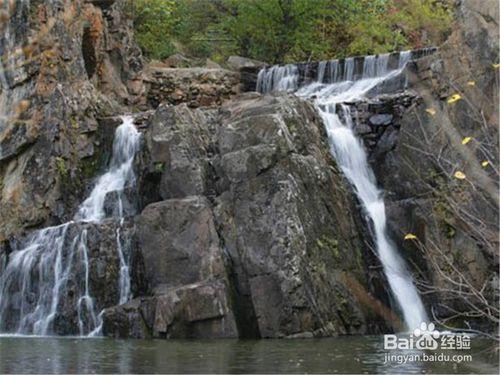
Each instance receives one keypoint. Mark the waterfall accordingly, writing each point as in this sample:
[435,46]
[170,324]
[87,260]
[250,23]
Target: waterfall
[404,57]
[334,70]
[381,64]
[349,69]
[278,78]
[119,173]
[351,157]
[37,276]
[369,67]
[321,71]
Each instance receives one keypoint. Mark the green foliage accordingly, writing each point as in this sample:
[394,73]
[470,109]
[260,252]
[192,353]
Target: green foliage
[424,22]
[159,167]
[153,22]
[288,30]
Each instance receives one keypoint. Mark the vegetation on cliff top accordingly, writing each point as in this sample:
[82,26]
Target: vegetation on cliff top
[287,30]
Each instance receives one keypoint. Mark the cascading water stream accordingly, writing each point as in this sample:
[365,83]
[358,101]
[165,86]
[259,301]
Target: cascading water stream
[351,156]
[36,275]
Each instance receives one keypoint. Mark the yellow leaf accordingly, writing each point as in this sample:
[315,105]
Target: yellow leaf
[496,66]
[466,140]
[454,98]
[485,163]
[410,236]
[471,83]
[459,175]
[431,111]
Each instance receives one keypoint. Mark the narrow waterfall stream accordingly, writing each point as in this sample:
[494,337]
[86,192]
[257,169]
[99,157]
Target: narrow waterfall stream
[37,275]
[350,154]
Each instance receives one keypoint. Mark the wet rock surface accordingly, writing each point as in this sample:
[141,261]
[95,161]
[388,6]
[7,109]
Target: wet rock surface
[377,121]
[455,219]
[249,200]
[89,260]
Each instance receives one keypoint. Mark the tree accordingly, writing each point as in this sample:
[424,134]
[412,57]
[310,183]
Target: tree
[153,22]
[280,31]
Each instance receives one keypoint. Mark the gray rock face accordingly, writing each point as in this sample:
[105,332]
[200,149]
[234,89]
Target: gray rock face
[281,222]
[179,243]
[257,224]
[185,272]
[178,140]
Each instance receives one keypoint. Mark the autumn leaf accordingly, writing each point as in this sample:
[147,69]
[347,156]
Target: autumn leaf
[466,140]
[410,236]
[454,98]
[460,175]
[485,163]
[471,83]
[431,111]
[496,66]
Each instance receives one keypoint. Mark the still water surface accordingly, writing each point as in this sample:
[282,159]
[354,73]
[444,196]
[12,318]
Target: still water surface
[333,355]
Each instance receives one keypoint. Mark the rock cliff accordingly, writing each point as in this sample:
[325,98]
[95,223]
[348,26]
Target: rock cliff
[455,219]
[71,63]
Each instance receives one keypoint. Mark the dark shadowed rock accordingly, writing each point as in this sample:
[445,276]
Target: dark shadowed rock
[179,243]
[120,203]
[382,119]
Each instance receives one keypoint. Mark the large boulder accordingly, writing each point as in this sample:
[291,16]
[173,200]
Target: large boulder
[288,220]
[179,143]
[179,243]
[198,310]
[238,63]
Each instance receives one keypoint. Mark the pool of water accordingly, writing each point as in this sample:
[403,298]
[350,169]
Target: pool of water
[361,354]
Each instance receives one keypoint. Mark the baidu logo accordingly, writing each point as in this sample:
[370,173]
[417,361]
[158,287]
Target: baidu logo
[424,337]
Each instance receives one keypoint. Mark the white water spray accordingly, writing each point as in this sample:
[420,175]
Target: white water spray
[36,276]
[351,156]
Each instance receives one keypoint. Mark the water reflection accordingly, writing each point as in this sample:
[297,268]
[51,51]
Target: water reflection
[335,355]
